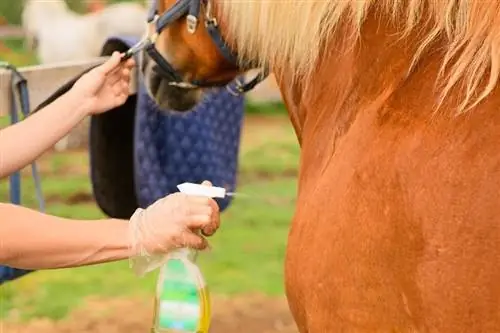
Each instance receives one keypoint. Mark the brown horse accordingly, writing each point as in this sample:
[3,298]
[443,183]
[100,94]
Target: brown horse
[397,109]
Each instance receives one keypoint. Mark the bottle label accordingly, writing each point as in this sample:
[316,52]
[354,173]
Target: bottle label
[179,301]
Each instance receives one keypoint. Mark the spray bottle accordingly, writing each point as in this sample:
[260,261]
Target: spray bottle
[182,303]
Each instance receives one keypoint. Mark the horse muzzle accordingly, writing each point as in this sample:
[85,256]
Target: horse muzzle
[168,96]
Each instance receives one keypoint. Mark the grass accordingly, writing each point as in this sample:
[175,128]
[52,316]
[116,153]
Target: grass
[247,254]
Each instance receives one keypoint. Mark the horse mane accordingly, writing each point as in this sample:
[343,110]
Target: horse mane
[291,34]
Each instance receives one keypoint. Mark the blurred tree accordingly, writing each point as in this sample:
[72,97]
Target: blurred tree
[11,10]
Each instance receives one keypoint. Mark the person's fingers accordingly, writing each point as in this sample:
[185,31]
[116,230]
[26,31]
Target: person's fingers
[125,73]
[125,87]
[208,231]
[199,210]
[110,64]
[215,215]
[117,90]
[121,98]
[112,80]
[208,221]
[193,241]
[198,221]
[213,205]
[215,220]
[130,63]
[196,200]
[118,76]
[201,207]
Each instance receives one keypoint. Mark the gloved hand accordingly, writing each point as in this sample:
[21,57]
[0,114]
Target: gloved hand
[170,223]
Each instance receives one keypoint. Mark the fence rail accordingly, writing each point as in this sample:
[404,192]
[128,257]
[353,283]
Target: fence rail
[11,31]
[43,80]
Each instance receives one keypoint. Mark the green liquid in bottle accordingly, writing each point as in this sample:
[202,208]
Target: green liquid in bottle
[182,303]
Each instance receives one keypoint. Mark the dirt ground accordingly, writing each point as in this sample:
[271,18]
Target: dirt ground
[248,314]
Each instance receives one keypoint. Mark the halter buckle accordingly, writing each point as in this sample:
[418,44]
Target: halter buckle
[209,18]
[239,88]
[211,21]
[184,85]
[192,23]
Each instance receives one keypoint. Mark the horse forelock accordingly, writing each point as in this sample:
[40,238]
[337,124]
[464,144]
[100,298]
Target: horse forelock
[290,34]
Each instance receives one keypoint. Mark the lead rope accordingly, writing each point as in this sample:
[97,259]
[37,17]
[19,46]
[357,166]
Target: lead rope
[19,83]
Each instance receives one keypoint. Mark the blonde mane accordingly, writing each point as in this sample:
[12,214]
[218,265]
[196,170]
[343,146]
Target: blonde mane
[288,33]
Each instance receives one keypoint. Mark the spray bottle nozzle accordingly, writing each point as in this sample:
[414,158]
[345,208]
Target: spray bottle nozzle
[202,190]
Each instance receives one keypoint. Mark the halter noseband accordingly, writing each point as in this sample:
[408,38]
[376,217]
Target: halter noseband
[191,9]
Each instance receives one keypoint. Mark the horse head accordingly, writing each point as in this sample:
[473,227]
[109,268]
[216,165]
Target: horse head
[187,54]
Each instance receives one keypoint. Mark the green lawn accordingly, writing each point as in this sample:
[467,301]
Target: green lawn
[248,250]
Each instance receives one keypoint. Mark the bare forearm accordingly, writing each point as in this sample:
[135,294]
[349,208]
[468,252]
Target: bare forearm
[27,140]
[32,240]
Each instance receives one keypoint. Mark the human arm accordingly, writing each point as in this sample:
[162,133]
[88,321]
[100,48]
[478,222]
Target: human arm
[101,89]
[33,240]
[25,141]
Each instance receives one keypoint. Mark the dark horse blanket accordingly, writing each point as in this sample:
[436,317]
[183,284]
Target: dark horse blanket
[139,154]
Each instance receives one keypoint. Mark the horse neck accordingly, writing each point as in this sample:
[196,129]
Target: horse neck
[350,79]
[360,80]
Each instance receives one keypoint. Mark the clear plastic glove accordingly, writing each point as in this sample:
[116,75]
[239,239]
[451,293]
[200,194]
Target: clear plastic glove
[171,223]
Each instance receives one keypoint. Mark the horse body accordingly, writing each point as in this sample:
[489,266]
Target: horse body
[396,227]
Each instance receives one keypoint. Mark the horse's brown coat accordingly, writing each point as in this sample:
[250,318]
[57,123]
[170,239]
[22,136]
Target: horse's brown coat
[397,222]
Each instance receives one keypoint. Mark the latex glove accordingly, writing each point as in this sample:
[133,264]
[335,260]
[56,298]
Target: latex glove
[104,87]
[171,223]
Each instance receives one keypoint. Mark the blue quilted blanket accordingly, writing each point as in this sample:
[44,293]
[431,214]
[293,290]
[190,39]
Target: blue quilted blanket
[175,148]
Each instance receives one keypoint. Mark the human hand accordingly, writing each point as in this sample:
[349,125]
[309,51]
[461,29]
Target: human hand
[104,87]
[173,222]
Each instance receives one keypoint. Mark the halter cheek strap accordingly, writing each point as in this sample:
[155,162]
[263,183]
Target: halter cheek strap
[214,32]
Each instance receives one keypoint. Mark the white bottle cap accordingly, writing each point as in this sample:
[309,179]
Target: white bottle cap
[202,190]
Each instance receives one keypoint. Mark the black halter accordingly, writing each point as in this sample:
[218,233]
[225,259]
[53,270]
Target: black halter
[191,9]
